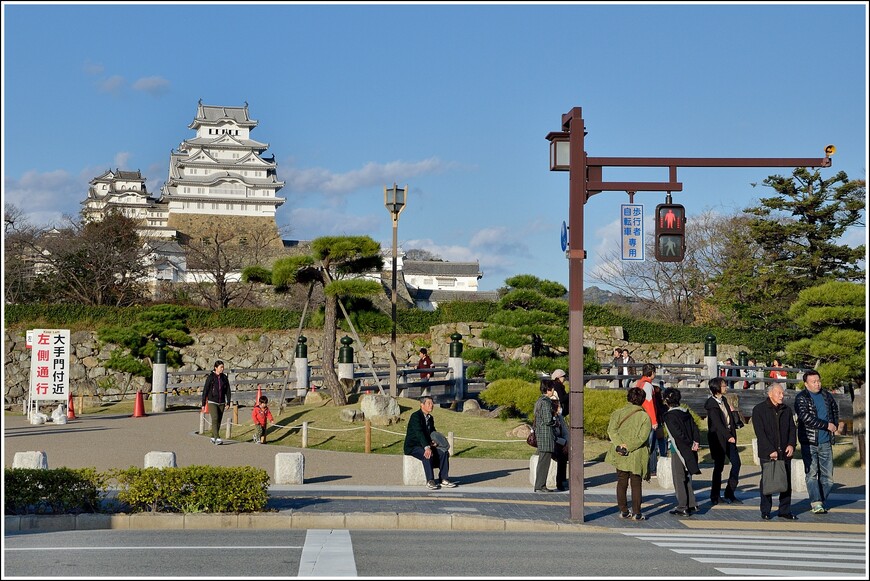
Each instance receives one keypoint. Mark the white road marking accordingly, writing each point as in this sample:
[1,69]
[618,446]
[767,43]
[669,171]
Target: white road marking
[327,553]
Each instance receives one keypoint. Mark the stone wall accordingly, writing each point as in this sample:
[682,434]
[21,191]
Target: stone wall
[245,349]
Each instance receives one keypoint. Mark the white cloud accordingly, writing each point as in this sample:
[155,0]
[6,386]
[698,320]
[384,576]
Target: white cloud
[93,68]
[309,223]
[322,181]
[45,197]
[122,158]
[154,86]
[113,85]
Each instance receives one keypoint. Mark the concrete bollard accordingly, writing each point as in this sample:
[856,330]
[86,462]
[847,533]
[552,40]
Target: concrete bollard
[36,460]
[551,473]
[412,471]
[155,459]
[798,476]
[289,468]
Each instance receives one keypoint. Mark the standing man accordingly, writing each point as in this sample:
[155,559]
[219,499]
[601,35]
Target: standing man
[216,394]
[425,362]
[420,445]
[559,377]
[722,436]
[818,421]
[775,430]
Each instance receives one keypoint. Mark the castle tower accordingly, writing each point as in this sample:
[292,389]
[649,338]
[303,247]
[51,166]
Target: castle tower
[219,180]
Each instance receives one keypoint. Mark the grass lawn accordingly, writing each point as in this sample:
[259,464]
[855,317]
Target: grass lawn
[474,436]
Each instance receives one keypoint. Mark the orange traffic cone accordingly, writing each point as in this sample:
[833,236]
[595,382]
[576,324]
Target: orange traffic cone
[139,408]
[70,409]
[259,394]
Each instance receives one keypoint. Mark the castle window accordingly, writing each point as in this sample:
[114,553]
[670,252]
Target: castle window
[200,206]
[206,241]
[214,206]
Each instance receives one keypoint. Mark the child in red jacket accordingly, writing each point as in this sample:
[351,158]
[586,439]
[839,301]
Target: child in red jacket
[261,416]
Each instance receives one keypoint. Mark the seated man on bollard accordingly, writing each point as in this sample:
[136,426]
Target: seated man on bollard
[420,444]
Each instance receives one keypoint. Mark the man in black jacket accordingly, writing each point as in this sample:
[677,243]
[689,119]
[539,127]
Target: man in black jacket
[775,430]
[722,437]
[818,423]
[419,444]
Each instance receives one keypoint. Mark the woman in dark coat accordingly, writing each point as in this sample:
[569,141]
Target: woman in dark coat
[685,439]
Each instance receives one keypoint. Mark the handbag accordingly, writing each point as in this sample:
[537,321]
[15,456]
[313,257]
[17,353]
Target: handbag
[773,477]
[532,440]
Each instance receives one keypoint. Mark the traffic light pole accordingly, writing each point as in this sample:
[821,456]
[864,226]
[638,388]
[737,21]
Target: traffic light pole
[585,180]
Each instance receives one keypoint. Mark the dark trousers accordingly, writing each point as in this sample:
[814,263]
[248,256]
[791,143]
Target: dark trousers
[719,466]
[784,497]
[623,479]
[561,459]
[439,459]
[216,411]
[544,459]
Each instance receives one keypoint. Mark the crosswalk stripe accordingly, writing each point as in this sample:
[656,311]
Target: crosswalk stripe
[753,572]
[770,562]
[769,555]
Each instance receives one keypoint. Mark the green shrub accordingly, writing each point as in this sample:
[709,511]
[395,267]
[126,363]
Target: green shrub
[598,406]
[515,395]
[466,311]
[480,354]
[194,489]
[511,369]
[55,491]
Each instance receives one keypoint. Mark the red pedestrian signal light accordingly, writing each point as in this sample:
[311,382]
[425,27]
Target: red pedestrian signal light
[670,235]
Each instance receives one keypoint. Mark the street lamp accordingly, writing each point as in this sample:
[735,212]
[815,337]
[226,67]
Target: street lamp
[395,199]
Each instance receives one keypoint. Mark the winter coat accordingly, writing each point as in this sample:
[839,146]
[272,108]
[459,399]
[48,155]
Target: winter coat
[718,429]
[260,416]
[544,423]
[633,433]
[683,432]
[217,389]
[774,429]
[809,423]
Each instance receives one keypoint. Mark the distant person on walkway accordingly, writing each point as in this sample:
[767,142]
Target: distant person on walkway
[420,445]
[818,422]
[628,363]
[722,437]
[751,375]
[731,373]
[685,441]
[628,430]
[560,450]
[652,408]
[262,415]
[616,364]
[559,377]
[776,373]
[777,436]
[545,422]
[425,362]
[216,394]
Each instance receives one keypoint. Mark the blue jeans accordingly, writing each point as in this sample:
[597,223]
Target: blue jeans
[819,470]
[657,447]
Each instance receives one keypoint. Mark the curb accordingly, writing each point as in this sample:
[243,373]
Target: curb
[300,520]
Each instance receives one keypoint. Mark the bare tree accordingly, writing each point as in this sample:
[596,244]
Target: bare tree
[220,256]
[91,262]
[673,291]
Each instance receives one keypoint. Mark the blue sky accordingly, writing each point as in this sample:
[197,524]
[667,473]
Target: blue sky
[454,100]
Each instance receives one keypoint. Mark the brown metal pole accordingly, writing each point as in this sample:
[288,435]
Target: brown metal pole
[573,123]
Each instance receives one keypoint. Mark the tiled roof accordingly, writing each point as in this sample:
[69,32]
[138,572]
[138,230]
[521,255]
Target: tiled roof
[452,295]
[438,268]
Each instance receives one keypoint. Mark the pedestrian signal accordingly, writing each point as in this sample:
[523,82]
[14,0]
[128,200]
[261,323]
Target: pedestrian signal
[670,233]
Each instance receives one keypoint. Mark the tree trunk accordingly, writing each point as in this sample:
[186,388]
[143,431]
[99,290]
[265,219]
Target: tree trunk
[330,377]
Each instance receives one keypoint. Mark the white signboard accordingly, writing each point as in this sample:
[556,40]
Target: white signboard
[49,365]
[631,223]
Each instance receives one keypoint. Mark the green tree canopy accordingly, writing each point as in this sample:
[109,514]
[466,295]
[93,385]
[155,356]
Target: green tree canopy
[833,317]
[336,263]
